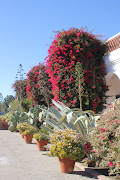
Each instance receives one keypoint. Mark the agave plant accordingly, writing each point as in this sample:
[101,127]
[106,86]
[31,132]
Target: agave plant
[60,116]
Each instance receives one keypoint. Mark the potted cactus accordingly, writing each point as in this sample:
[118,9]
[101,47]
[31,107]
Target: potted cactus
[22,127]
[41,138]
[67,145]
[28,133]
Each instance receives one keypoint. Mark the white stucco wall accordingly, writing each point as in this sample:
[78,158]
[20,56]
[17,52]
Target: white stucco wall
[112,62]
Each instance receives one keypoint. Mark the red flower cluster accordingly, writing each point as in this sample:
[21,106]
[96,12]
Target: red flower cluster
[32,89]
[68,48]
[88,147]
[20,87]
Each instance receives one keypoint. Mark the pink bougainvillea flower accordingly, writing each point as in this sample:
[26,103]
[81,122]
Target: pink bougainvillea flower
[111,164]
[103,129]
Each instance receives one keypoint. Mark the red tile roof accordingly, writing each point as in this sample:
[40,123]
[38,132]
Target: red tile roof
[113,43]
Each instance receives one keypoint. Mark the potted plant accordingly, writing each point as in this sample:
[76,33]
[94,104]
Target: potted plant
[41,140]
[28,133]
[67,145]
[22,127]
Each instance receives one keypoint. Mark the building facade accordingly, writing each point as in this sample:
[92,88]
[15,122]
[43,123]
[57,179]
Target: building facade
[112,62]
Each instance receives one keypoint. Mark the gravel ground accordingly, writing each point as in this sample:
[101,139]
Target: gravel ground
[20,161]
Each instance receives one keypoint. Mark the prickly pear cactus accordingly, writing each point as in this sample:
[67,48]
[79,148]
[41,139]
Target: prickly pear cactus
[19,117]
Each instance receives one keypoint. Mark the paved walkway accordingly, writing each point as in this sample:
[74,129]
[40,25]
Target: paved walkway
[20,161]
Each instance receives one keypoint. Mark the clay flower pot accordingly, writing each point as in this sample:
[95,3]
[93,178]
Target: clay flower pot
[21,132]
[41,143]
[66,165]
[28,138]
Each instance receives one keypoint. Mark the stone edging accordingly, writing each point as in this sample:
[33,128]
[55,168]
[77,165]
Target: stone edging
[92,172]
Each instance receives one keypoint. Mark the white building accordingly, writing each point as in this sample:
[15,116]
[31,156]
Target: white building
[112,62]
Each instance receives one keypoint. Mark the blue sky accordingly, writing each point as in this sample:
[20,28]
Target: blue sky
[27,29]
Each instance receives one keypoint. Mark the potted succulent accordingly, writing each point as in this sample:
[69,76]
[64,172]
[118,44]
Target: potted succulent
[28,133]
[67,145]
[41,140]
[22,127]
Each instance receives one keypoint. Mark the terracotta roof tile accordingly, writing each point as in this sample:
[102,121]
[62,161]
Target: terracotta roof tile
[113,43]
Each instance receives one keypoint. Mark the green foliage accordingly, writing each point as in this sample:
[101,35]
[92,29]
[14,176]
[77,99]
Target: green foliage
[41,135]
[67,143]
[7,101]
[36,115]
[18,117]
[105,139]
[60,117]
[12,128]
[26,104]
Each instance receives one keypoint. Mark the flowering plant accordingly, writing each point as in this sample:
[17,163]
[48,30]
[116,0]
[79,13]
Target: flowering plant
[67,143]
[38,136]
[68,48]
[20,88]
[105,139]
[30,130]
[38,86]
[43,134]
[22,126]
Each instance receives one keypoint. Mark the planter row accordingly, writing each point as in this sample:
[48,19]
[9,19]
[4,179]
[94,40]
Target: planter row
[66,164]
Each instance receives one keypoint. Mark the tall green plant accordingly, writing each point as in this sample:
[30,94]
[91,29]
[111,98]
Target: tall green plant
[44,84]
[79,81]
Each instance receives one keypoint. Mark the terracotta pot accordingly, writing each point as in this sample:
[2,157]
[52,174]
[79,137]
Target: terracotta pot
[4,125]
[0,124]
[21,132]
[41,143]
[28,138]
[66,165]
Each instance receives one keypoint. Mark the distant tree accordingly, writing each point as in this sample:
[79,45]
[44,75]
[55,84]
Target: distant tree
[1,102]
[7,101]
[20,84]
[1,98]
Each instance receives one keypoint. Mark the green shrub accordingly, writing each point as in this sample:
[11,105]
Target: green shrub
[22,126]
[30,130]
[38,136]
[67,143]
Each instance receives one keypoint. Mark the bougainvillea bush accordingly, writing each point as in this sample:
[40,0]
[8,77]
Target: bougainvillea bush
[44,85]
[20,87]
[105,139]
[68,48]
[34,89]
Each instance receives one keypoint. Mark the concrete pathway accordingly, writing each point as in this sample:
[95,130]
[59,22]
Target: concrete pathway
[20,161]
